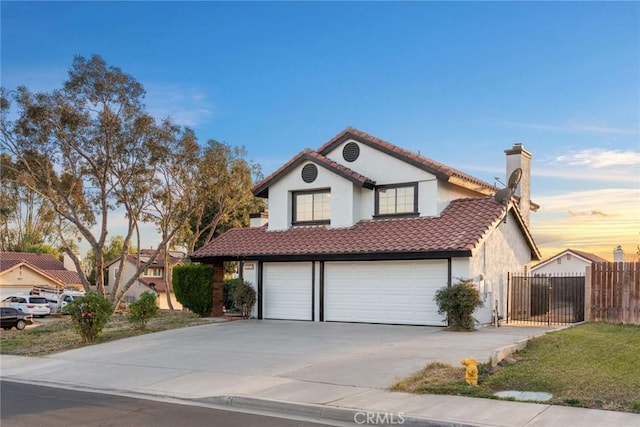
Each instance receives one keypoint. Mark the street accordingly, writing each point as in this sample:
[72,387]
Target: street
[30,405]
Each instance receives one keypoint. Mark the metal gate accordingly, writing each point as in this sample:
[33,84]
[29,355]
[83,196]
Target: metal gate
[545,299]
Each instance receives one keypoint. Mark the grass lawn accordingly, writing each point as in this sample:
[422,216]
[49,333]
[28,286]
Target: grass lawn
[58,335]
[594,365]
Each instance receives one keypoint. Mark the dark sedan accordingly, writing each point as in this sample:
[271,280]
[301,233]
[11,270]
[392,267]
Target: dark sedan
[11,317]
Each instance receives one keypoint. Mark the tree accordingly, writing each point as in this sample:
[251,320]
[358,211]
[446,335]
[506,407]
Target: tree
[225,178]
[112,250]
[26,219]
[90,151]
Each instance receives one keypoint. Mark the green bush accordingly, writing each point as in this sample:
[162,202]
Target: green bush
[144,309]
[229,286]
[458,302]
[193,287]
[244,296]
[89,314]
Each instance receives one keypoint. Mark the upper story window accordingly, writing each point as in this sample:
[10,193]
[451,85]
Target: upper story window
[312,207]
[401,199]
[153,272]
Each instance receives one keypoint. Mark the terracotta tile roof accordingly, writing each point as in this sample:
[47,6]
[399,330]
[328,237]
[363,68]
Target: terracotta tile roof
[261,188]
[461,227]
[65,276]
[438,169]
[42,261]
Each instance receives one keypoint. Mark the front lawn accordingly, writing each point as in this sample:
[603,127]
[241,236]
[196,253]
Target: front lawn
[59,335]
[594,365]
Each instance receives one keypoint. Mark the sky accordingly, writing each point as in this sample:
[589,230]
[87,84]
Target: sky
[458,82]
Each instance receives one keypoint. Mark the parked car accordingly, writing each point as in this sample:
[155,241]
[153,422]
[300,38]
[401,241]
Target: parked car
[12,317]
[29,304]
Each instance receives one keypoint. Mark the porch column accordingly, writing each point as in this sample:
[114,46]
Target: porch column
[218,289]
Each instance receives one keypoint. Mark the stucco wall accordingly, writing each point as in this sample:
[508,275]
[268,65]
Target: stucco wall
[342,197]
[448,192]
[350,203]
[568,264]
[25,277]
[503,251]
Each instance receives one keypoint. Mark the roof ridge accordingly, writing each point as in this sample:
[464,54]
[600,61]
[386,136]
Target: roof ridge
[439,167]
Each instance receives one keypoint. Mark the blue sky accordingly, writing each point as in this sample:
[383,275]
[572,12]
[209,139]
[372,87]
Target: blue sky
[457,81]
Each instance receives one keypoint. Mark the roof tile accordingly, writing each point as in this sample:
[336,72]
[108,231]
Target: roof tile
[461,226]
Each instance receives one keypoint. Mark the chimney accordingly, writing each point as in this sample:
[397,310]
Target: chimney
[618,254]
[68,262]
[518,157]
[258,219]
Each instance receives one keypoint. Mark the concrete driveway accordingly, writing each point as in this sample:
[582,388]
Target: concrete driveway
[289,361]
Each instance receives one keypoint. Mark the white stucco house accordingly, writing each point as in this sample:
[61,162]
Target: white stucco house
[361,230]
[152,279]
[569,261]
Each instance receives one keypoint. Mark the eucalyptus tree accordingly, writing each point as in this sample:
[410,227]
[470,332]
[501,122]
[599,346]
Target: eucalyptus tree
[26,219]
[226,178]
[90,150]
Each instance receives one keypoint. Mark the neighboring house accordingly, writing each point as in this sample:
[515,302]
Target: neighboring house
[364,231]
[21,271]
[569,261]
[150,280]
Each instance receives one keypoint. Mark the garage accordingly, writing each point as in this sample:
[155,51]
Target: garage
[287,290]
[395,292]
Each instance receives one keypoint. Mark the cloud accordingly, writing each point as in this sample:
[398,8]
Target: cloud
[592,213]
[590,220]
[600,158]
[570,128]
[187,106]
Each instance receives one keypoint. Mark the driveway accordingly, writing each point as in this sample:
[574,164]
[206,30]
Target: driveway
[284,360]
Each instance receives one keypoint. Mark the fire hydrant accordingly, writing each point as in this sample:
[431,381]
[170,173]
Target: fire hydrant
[471,375]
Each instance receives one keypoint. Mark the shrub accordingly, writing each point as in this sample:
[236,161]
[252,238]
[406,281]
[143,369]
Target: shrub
[229,286]
[458,302]
[244,296]
[143,310]
[193,287]
[89,314]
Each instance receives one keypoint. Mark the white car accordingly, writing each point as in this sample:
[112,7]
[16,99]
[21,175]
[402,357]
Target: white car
[29,304]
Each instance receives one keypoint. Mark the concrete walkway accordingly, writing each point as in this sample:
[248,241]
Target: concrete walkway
[334,371]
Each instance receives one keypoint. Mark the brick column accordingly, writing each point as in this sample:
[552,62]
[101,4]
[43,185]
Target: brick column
[218,290]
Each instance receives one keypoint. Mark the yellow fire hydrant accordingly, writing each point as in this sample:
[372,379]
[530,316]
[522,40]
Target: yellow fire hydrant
[471,375]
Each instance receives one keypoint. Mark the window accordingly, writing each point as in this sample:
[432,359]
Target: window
[397,199]
[153,272]
[312,207]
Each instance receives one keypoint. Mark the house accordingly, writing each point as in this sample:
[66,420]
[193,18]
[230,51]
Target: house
[362,230]
[21,271]
[152,279]
[569,261]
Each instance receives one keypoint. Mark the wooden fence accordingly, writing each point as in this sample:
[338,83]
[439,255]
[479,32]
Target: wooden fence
[614,294]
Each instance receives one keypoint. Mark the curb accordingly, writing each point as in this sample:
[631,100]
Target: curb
[269,407]
[324,412]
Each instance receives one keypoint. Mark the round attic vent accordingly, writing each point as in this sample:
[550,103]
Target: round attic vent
[350,152]
[309,173]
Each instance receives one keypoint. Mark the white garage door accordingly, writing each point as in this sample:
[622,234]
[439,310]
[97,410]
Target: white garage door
[397,292]
[286,290]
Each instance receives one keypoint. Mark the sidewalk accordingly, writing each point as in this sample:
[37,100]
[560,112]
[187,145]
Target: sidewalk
[279,368]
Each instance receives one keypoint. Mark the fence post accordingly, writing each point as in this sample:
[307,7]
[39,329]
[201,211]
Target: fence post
[506,315]
[587,295]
